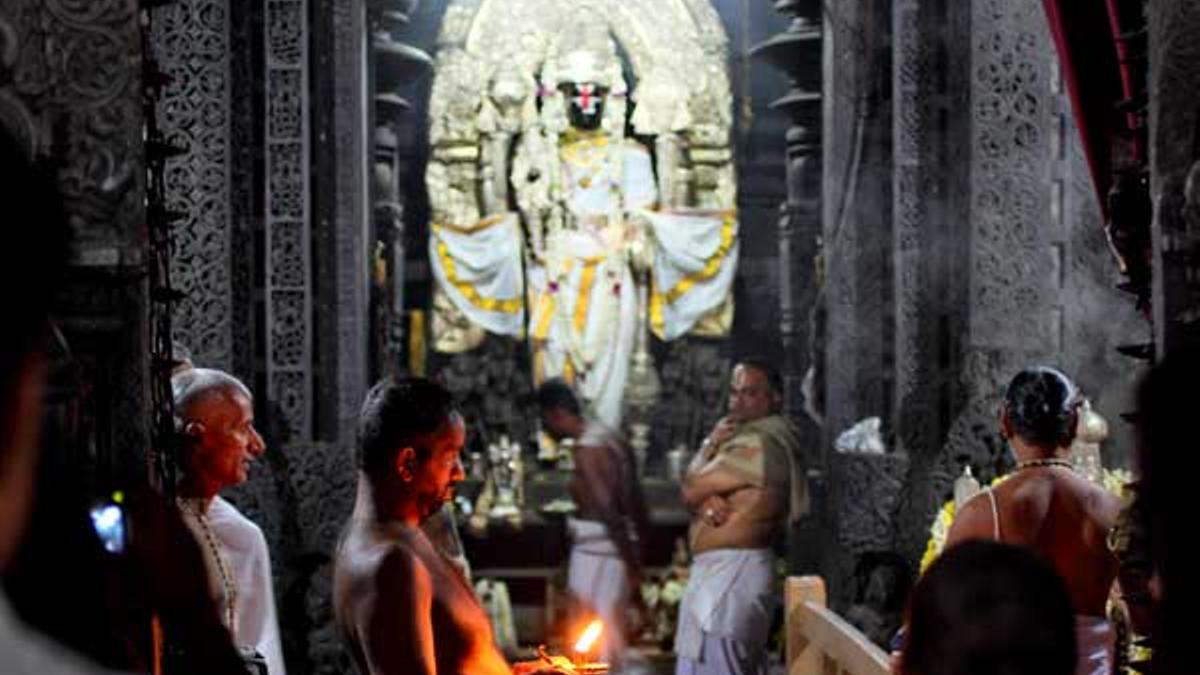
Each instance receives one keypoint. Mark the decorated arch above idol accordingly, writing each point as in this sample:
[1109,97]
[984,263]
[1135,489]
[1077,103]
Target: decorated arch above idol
[581,186]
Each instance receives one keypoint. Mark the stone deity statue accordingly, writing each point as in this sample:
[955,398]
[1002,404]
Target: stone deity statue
[583,243]
[503,492]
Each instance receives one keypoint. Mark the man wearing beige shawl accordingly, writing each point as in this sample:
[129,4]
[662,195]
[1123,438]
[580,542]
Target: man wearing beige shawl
[745,483]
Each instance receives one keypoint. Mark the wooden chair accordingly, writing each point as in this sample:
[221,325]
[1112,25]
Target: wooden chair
[819,642]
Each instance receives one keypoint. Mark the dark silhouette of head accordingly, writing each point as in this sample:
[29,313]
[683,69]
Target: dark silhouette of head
[985,608]
[32,264]
[1166,414]
[1040,405]
[562,414]
[61,581]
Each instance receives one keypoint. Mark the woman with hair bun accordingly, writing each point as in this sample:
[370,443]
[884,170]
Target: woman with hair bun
[1048,508]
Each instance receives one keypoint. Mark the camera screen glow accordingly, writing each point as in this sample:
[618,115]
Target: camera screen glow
[109,525]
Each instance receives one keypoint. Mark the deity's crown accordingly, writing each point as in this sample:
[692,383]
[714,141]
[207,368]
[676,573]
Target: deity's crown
[584,52]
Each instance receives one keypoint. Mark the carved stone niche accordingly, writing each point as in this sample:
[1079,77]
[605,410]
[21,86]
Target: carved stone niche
[881,582]
[867,494]
[870,487]
[694,373]
[98,407]
[494,390]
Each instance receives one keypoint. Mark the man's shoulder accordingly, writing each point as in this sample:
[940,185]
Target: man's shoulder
[976,505]
[223,509]
[1102,506]
[382,562]
[975,518]
[230,521]
[399,558]
[775,422]
[774,429]
[391,551]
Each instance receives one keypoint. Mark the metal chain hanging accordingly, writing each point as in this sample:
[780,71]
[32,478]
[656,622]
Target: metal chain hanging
[159,219]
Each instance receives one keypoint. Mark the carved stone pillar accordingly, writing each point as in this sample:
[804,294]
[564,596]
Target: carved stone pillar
[1175,172]
[798,52]
[857,194]
[287,217]
[191,41]
[920,332]
[396,65]
[999,257]
[341,221]
[962,244]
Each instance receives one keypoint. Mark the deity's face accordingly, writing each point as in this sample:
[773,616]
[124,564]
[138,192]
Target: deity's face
[585,104]
[438,468]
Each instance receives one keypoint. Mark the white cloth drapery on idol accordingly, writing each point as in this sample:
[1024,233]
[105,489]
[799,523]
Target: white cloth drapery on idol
[580,291]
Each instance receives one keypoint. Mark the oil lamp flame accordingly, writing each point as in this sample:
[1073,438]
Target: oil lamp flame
[589,637]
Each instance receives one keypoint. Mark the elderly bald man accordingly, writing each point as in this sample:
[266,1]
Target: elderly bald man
[215,416]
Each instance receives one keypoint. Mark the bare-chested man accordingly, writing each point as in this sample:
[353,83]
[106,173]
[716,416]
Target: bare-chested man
[610,522]
[1049,508]
[743,485]
[402,607]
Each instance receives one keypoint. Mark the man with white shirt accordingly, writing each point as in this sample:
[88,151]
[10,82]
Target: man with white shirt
[215,414]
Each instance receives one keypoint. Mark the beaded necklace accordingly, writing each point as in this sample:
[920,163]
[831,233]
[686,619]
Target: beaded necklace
[227,581]
[1046,461]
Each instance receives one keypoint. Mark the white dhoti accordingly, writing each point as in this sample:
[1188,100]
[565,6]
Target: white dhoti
[725,614]
[596,575]
[1094,640]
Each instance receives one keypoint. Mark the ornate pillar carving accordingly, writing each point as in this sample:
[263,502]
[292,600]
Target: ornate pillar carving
[287,216]
[857,299]
[927,242]
[999,256]
[191,41]
[994,255]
